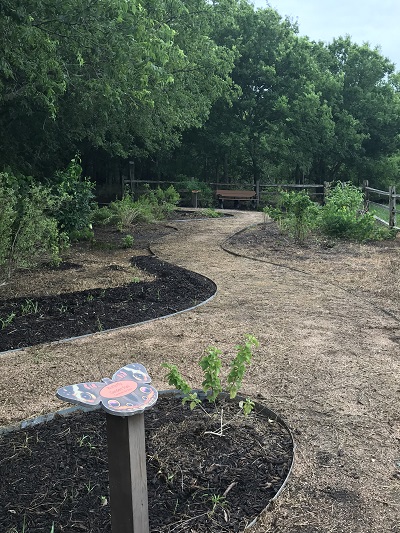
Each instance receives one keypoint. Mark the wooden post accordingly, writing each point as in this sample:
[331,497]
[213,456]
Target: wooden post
[195,198]
[392,206]
[366,195]
[127,474]
[326,191]
[257,193]
[124,398]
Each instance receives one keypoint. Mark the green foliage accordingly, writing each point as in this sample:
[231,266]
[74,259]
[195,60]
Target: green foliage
[247,405]
[301,213]
[175,379]
[342,215]
[75,199]
[85,234]
[238,365]
[211,364]
[211,213]
[117,75]
[6,321]
[206,196]
[126,212]
[29,231]
[152,205]
[162,201]
[29,307]
[127,241]
[296,214]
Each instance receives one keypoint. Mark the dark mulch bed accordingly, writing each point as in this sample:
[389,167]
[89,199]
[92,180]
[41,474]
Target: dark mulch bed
[56,472]
[66,315]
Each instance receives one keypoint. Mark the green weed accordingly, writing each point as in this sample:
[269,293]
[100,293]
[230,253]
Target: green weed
[7,320]
[29,307]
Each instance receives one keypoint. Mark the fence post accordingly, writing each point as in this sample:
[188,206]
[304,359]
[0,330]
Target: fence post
[392,206]
[327,186]
[258,193]
[366,195]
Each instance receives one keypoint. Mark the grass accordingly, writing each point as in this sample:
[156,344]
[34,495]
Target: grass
[380,212]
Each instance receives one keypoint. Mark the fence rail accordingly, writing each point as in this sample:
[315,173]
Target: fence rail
[320,190]
[391,207]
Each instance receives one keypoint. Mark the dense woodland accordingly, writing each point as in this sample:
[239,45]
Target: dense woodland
[215,90]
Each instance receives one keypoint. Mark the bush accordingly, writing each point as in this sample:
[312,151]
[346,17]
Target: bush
[75,199]
[152,205]
[296,214]
[28,231]
[162,201]
[127,241]
[342,215]
[206,196]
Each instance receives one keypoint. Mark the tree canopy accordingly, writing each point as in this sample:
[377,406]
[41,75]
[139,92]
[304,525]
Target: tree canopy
[217,90]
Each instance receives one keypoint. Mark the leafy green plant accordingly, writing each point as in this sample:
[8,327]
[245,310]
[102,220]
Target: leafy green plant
[297,214]
[85,234]
[247,405]
[342,215]
[127,241]
[211,365]
[29,307]
[75,200]
[217,500]
[209,212]
[85,441]
[206,195]
[7,320]
[28,233]
[152,205]
[239,364]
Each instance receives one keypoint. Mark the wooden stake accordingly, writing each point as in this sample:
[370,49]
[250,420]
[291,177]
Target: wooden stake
[127,474]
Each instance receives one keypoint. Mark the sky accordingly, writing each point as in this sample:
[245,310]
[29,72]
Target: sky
[374,21]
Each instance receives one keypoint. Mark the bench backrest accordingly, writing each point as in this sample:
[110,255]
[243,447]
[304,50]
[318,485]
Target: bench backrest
[235,194]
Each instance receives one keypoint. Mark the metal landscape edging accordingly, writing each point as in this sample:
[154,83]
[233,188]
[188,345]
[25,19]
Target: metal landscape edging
[69,339]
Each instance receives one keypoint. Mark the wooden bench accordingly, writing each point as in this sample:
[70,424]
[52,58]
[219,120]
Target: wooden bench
[235,196]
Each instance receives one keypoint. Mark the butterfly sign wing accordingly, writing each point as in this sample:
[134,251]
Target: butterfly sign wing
[128,392]
[86,394]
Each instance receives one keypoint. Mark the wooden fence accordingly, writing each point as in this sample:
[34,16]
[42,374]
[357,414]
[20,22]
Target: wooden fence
[391,204]
[319,191]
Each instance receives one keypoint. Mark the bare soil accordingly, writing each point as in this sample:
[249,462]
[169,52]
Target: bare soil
[327,319]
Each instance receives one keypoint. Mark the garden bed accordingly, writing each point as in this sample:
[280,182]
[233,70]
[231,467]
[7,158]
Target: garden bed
[196,481]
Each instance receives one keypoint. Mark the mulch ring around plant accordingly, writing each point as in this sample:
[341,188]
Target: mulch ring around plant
[51,318]
[56,472]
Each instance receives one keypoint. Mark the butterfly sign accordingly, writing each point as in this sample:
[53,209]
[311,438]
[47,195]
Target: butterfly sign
[128,392]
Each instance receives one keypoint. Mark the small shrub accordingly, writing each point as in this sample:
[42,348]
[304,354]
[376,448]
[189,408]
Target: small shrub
[211,213]
[29,233]
[297,213]
[206,195]
[75,198]
[211,365]
[127,241]
[85,234]
[152,205]
[101,215]
[342,215]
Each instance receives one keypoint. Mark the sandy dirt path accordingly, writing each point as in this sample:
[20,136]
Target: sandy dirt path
[327,363]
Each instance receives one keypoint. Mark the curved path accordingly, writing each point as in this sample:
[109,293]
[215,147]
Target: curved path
[327,363]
